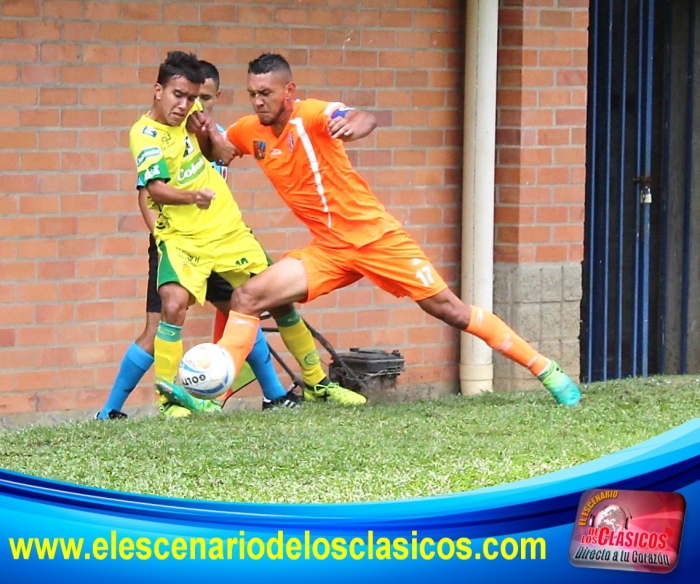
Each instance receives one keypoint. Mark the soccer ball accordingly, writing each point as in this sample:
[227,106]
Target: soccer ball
[207,371]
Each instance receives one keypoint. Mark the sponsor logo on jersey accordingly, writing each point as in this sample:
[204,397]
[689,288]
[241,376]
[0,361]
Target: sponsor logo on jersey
[275,152]
[152,172]
[151,152]
[259,148]
[148,131]
[190,170]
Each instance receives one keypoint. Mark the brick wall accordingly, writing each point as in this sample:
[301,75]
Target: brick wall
[540,176]
[76,74]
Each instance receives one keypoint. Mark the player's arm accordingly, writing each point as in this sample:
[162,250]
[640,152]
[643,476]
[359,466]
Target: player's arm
[163,194]
[349,125]
[149,215]
[214,146]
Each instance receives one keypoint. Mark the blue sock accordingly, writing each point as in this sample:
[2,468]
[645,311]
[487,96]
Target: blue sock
[134,365]
[260,362]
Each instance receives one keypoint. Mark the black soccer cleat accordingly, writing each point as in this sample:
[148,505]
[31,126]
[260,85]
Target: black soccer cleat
[288,400]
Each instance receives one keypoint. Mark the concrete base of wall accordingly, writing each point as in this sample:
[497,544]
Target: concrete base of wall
[542,303]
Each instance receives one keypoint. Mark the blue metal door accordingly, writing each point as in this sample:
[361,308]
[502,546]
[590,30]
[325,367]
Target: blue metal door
[640,308]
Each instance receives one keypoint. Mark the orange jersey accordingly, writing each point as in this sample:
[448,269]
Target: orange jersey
[313,175]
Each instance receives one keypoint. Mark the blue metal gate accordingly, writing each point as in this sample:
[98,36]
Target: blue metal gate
[641,304]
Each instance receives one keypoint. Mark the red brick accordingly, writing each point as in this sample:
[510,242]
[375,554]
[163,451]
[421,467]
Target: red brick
[67,53]
[141,10]
[47,30]
[21,8]
[36,335]
[551,253]
[44,292]
[58,96]
[20,314]
[19,52]
[9,73]
[10,161]
[80,74]
[62,9]
[102,10]
[9,29]
[556,18]
[19,226]
[13,403]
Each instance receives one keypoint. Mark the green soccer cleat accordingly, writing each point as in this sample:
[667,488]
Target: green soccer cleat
[330,390]
[560,385]
[181,397]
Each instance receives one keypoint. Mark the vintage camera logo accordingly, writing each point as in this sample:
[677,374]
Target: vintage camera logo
[628,530]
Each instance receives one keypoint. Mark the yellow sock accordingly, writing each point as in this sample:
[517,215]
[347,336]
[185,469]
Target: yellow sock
[167,353]
[500,337]
[239,336]
[297,338]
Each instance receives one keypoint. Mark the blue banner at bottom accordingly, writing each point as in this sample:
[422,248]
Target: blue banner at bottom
[524,531]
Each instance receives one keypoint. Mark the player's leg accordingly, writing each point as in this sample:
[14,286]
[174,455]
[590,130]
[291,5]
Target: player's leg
[219,293]
[398,265]
[298,339]
[180,278]
[241,257]
[137,360]
[139,356]
[300,275]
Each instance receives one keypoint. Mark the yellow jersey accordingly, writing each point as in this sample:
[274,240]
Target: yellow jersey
[172,154]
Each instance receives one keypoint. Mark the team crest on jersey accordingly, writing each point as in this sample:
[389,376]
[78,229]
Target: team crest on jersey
[259,148]
[290,142]
[148,131]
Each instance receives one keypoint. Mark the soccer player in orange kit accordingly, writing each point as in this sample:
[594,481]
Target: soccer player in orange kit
[299,146]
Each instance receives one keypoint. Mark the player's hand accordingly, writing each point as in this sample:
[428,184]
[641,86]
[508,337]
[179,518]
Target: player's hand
[196,122]
[223,150]
[204,198]
[341,128]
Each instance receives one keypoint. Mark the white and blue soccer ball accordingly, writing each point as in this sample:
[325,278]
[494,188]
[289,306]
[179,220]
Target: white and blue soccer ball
[207,371]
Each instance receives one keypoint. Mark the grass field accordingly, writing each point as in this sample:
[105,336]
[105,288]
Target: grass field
[324,453]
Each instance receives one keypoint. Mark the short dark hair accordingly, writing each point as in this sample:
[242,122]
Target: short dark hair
[180,64]
[210,72]
[269,63]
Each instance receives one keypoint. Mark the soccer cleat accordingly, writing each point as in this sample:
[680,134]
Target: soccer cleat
[288,400]
[560,385]
[180,397]
[330,390]
[112,415]
[171,410]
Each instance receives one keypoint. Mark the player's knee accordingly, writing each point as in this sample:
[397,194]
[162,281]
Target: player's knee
[245,301]
[174,310]
[447,307]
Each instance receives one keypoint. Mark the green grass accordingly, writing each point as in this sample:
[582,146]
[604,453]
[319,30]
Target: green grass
[324,453]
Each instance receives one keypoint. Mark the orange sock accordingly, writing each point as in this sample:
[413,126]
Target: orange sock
[499,336]
[220,321]
[239,336]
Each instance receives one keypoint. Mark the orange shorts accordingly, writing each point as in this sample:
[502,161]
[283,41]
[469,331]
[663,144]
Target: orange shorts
[395,263]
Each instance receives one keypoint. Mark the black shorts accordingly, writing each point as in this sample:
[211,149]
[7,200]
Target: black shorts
[218,289]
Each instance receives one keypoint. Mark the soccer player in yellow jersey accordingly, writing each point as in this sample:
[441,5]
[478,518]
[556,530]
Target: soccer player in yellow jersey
[138,358]
[199,227]
[299,146]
